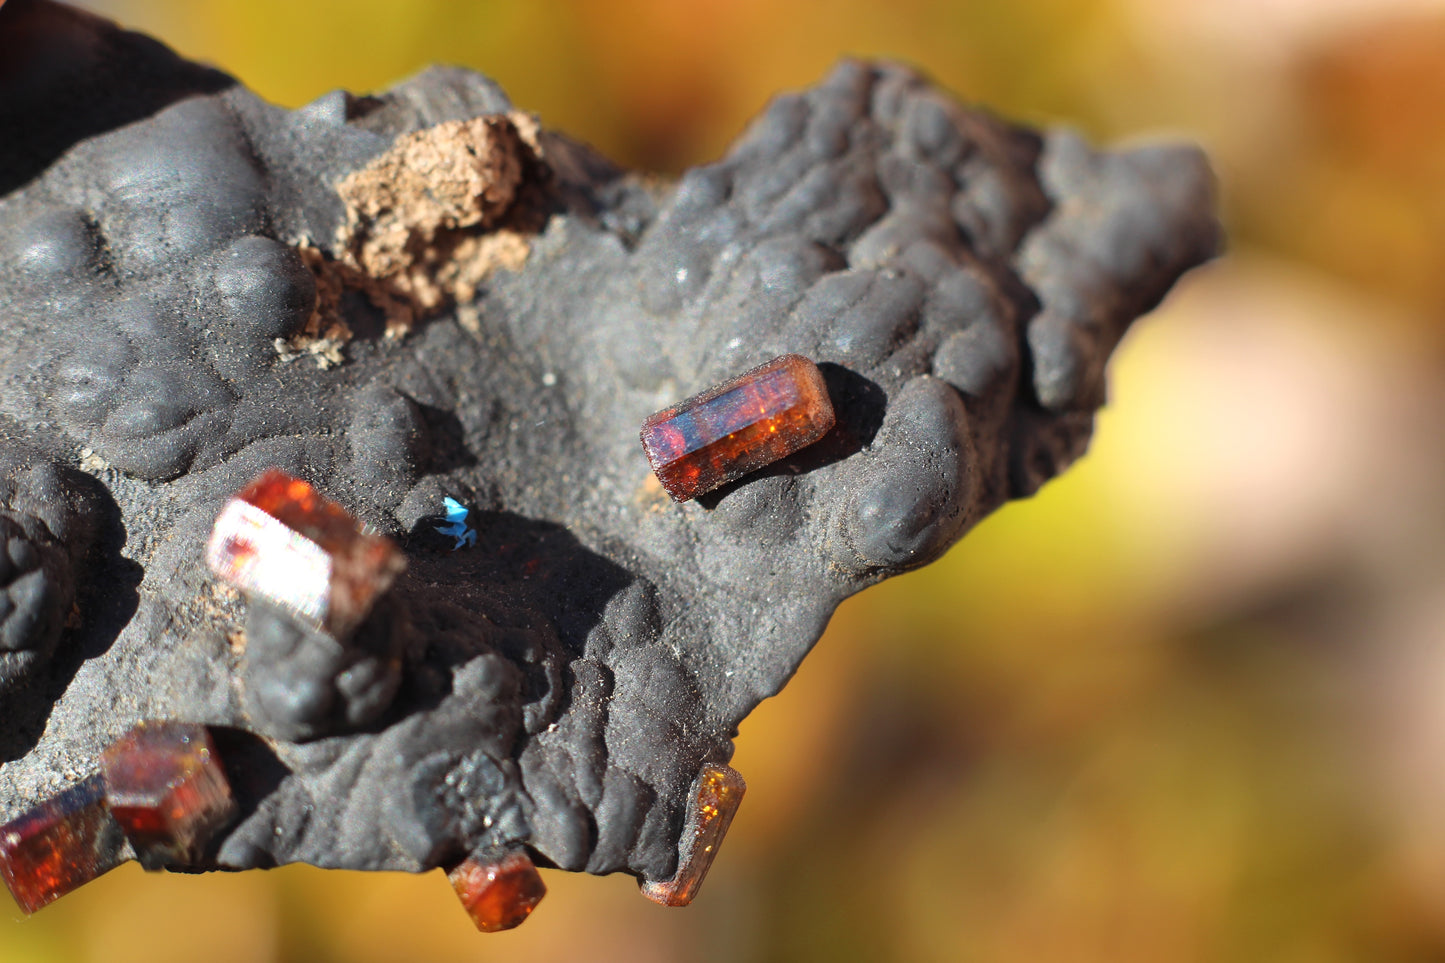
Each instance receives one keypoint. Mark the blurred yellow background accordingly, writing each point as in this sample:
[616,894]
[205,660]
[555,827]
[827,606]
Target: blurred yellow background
[1188,703]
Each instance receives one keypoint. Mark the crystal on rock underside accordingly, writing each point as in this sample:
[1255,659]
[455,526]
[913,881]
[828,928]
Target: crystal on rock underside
[737,427]
[715,798]
[166,788]
[281,540]
[498,893]
[61,844]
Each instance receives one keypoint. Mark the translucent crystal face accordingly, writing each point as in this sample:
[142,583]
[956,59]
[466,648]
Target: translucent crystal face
[498,894]
[252,550]
[167,790]
[280,540]
[738,427]
[716,796]
[60,845]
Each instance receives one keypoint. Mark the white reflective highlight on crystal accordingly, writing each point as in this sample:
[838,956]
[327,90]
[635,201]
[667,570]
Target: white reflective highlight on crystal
[257,554]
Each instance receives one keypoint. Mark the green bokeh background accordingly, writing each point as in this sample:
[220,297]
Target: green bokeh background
[1188,703]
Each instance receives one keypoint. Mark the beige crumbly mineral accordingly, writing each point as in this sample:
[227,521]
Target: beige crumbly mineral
[428,220]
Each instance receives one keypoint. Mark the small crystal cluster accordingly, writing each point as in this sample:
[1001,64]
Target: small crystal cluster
[161,797]
[737,427]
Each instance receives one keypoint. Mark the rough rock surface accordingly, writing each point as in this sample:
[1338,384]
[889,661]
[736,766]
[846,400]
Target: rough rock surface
[168,242]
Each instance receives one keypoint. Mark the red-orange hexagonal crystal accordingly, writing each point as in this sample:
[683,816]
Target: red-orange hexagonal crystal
[498,894]
[279,539]
[715,799]
[167,790]
[59,845]
[738,427]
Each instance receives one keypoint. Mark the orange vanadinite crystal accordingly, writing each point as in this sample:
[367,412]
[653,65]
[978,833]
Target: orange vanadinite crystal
[280,539]
[59,845]
[167,790]
[738,427]
[498,894]
[715,800]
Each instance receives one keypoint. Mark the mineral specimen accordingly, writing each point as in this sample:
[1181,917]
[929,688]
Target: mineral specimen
[170,244]
[166,788]
[456,526]
[714,802]
[498,894]
[279,539]
[63,843]
[737,427]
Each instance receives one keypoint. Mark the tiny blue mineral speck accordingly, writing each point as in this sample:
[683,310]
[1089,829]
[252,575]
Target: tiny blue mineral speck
[456,526]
